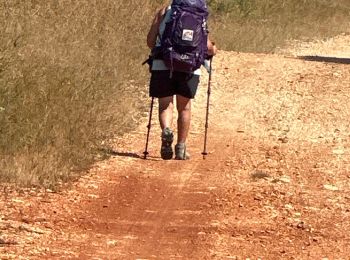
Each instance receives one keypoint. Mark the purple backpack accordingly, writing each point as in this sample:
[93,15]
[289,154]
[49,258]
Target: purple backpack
[184,41]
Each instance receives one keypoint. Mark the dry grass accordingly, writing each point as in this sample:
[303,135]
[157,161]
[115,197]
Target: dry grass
[70,73]
[264,25]
[65,76]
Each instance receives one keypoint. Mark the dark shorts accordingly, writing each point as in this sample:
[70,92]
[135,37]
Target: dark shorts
[180,83]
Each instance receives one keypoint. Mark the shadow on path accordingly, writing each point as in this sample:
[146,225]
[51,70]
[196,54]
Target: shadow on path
[111,152]
[326,59]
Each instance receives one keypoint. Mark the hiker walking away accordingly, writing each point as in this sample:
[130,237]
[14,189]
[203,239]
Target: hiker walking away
[179,41]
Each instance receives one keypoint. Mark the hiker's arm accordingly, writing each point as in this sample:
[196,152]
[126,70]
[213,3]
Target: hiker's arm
[211,48]
[154,30]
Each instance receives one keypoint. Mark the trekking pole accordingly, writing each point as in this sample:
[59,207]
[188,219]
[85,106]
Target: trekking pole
[149,129]
[205,153]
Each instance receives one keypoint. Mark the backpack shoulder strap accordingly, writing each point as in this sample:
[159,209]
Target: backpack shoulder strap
[168,9]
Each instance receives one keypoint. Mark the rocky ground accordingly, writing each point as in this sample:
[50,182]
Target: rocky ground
[275,184]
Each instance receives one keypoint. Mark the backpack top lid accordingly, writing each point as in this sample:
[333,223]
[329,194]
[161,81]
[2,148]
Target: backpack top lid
[197,4]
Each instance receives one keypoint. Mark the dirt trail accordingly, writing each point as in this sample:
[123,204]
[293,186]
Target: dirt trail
[274,186]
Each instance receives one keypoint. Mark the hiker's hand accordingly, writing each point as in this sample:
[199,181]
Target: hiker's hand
[211,48]
[209,57]
[215,50]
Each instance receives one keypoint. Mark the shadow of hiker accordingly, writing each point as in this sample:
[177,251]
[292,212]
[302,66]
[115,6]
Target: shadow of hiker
[325,59]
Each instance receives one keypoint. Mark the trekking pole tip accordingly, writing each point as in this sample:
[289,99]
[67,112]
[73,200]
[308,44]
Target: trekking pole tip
[204,155]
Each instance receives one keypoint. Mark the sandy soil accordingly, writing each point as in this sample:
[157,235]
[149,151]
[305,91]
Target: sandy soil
[275,185]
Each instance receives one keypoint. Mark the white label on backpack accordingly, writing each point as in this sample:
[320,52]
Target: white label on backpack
[187,35]
[184,57]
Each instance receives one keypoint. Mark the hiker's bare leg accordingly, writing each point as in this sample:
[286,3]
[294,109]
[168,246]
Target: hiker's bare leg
[183,105]
[166,108]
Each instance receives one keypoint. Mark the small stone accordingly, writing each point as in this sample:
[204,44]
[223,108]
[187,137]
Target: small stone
[330,187]
[171,230]
[93,196]
[4,242]
[258,198]
[301,225]
[25,220]
[284,139]
[289,206]
[338,151]
[260,174]
[285,179]
[316,239]
[215,223]
[112,242]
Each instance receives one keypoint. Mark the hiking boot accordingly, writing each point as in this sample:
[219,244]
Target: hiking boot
[180,152]
[166,151]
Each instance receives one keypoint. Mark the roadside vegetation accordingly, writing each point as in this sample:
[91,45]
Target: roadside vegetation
[71,75]
[264,25]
